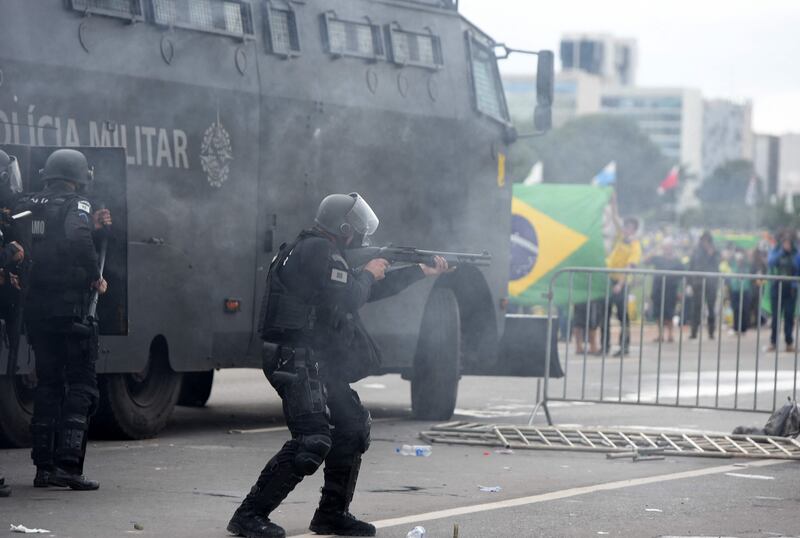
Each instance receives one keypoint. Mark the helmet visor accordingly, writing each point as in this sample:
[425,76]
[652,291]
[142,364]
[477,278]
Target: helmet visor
[361,217]
[14,176]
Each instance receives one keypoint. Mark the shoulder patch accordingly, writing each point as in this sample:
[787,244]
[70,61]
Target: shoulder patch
[83,205]
[339,276]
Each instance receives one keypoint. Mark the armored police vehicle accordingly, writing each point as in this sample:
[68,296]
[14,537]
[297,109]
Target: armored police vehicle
[215,127]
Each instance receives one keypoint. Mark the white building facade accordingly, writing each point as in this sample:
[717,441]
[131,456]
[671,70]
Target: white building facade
[766,162]
[789,165]
[727,133]
[671,117]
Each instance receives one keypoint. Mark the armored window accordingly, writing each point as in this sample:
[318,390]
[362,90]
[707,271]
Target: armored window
[361,39]
[226,17]
[126,9]
[415,48]
[487,88]
[280,26]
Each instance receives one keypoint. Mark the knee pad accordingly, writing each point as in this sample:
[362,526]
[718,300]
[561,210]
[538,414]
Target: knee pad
[311,452]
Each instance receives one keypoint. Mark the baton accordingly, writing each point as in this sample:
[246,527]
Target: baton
[22,215]
[96,294]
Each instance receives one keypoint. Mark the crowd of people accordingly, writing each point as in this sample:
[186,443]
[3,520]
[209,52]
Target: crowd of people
[691,299]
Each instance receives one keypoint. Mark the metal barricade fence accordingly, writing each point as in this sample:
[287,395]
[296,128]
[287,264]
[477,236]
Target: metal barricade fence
[704,369]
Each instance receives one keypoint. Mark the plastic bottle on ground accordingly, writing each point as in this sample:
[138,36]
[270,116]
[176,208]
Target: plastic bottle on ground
[416,532]
[414,450]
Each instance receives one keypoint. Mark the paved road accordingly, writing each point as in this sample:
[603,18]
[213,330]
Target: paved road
[187,482]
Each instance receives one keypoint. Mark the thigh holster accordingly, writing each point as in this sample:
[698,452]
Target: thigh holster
[296,378]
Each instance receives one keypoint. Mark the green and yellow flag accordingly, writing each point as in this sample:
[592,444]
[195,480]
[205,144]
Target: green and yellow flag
[555,226]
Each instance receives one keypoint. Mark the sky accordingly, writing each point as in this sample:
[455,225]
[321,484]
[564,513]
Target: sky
[732,49]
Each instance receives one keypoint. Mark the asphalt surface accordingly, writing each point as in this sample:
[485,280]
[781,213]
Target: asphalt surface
[188,481]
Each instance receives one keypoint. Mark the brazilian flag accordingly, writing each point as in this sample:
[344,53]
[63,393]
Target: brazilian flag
[555,226]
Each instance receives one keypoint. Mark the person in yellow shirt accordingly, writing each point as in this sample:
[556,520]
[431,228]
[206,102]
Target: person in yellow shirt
[627,253]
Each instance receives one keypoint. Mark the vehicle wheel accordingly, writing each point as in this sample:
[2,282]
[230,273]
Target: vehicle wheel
[16,410]
[434,383]
[196,388]
[137,406]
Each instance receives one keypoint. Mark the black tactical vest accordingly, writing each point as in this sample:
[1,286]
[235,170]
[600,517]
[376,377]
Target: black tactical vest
[284,315]
[290,317]
[58,284]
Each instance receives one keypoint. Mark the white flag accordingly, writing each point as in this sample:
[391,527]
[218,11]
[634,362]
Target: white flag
[607,176]
[751,196]
[535,175]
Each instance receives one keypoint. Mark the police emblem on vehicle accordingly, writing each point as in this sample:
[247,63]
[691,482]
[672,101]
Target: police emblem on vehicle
[216,154]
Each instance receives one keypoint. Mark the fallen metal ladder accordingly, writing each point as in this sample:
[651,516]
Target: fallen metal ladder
[712,445]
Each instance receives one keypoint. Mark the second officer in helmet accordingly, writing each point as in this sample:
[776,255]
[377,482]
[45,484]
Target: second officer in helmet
[64,274]
[315,346]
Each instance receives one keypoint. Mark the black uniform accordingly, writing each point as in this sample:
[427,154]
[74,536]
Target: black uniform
[317,345]
[65,263]
[9,300]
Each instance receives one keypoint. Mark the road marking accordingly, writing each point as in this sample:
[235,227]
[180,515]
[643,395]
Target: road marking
[753,476]
[260,430]
[555,495]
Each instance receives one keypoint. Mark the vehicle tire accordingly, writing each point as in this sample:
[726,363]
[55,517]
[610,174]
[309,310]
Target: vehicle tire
[138,405]
[434,383]
[16,410]
[196,388]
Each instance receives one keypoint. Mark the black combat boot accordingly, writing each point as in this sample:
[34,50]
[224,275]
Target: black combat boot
[43,433]
[276,481]
[332,516]
[70,452]
[5,489]
[249,523]
[340,524]
[67,478]
[42,478]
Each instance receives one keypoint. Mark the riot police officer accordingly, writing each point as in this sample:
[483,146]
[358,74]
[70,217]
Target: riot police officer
[10,179]
[11,254]
[10,187]
[65,272]
[315,346]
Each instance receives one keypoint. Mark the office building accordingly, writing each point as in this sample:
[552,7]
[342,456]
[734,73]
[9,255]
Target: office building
[671,117]
[610,58]
[789,165]
[727,133]
[766,162]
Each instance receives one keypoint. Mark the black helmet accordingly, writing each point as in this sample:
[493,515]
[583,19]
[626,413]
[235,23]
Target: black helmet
[69,165]
[345,215]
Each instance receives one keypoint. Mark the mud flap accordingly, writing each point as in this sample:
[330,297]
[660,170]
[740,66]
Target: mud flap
[523,352]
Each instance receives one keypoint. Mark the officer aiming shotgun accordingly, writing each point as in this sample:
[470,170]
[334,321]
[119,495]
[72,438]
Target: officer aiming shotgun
[315,345]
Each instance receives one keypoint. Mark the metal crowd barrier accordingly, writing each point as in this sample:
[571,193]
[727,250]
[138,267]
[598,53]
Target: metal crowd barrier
[728,372]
